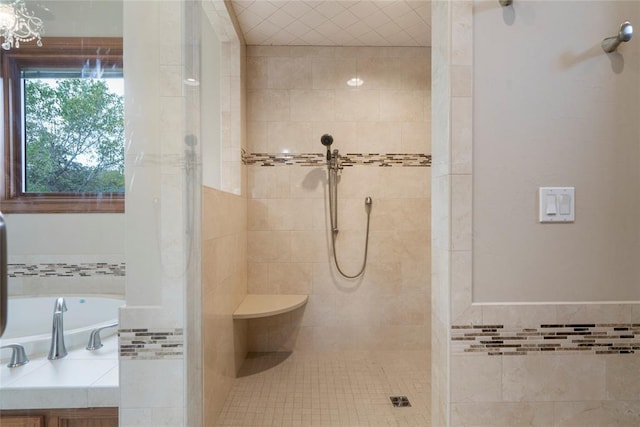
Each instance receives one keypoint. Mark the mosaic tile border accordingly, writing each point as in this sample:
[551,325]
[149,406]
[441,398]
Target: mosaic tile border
[90,269]
[593,338]
[349,159]
[146,344]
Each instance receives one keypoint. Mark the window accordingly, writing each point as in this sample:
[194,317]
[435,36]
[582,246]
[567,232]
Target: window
[63,127]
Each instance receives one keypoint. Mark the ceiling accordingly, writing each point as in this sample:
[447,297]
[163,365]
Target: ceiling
[335,22]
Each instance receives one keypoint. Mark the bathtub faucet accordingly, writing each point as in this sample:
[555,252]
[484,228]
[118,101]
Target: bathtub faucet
[18,356]
[58,350]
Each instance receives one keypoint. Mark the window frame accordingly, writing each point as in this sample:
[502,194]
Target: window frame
[57,51]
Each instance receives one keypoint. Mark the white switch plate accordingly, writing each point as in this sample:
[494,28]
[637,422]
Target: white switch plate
[564,208]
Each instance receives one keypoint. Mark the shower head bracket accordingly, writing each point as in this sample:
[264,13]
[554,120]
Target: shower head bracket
[610,44]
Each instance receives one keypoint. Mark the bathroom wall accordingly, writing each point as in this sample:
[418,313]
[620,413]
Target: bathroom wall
[224,285]
[294,95]
[558,112]
[549,363]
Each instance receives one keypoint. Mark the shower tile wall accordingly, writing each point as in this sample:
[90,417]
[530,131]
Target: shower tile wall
[224,281]
[294,95]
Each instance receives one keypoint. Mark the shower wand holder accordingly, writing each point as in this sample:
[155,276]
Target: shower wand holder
[610,44]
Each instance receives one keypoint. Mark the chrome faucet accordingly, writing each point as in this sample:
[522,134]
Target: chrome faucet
[18,356]
[58,350]
[94,338]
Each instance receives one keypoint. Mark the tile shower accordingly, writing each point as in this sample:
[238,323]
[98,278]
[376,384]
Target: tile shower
[294,95]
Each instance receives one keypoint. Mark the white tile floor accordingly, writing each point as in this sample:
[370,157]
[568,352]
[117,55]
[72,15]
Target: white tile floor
[329,390]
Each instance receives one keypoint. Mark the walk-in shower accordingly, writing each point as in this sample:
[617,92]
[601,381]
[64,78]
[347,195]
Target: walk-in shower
[334,167]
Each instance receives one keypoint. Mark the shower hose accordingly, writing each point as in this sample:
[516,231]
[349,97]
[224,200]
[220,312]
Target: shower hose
[333,214]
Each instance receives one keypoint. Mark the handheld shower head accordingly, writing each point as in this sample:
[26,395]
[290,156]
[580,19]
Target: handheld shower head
[327,140]
[610,44]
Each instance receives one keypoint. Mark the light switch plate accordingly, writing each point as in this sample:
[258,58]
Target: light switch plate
[563,210]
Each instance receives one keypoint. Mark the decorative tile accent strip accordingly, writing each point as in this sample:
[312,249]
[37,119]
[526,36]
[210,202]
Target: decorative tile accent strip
[349,159]
[67,270]
[151,343]
[494,340]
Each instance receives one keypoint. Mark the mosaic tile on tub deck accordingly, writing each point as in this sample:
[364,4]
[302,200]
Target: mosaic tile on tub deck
[89,269]
[349,159]
[151,343]
[332,389]
[592,338]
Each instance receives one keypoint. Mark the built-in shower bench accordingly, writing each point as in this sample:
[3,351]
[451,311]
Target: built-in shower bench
[254,306]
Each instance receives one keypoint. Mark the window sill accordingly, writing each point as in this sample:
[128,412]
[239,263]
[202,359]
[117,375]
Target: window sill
[62,204]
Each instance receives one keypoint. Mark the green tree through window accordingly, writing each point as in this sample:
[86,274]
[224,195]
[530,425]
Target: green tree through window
[74,136]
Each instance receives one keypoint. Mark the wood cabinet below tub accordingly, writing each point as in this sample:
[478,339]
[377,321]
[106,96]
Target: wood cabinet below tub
[82,417]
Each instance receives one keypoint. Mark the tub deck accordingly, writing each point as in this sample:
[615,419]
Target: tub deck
[82,379]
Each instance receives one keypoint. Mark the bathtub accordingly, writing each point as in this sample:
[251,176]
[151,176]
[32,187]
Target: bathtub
[30,321]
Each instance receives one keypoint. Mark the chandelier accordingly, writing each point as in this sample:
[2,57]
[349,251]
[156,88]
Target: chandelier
[18,25]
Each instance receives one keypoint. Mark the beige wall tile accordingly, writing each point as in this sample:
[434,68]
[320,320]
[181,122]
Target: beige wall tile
[269,246]
[622,374]
[291,278]
[258,279]
[289,73]
[333,73]
[461,286]
[257,73]
[625,413]
[290,214]
[519,315]
[269,105]
[594,313]
[407,106]
[461,212]
[290,137]
[476,378]
[512,414]
[416,137]
[461,33]
[312,105]
[357,106]
[461,80]
[268,183]
[258,214]
[308,246]
[379,137]
[308,182]
[257,136]
[553,378]
[461,135]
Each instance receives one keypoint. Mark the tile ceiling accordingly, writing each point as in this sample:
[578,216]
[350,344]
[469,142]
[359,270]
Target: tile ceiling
[335,22]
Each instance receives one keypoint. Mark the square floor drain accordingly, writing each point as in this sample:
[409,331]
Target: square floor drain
[400,401]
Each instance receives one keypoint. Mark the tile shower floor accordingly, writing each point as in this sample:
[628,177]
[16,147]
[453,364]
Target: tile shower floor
[329,390]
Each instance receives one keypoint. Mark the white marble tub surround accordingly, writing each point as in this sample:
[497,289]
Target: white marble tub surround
[82,379]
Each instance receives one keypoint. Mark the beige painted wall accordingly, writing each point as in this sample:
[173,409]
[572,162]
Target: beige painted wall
[296,94]
[552,109]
